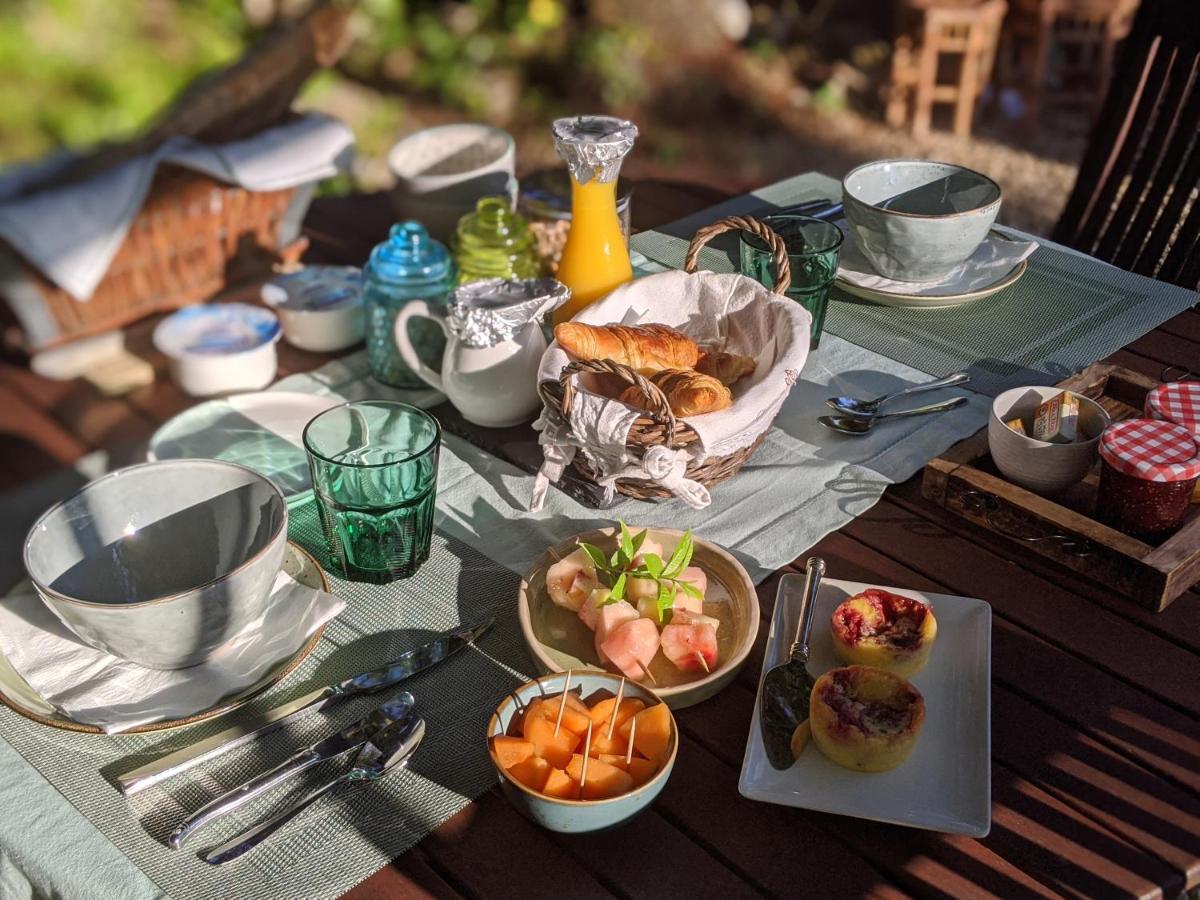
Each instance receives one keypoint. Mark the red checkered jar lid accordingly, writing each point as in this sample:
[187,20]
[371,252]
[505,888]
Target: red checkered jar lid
[1151,450]
[1177,402]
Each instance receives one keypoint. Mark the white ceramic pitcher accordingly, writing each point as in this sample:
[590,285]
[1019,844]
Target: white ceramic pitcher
[494,345]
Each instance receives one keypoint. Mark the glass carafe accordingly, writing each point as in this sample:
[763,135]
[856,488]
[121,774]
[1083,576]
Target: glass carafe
[595,259]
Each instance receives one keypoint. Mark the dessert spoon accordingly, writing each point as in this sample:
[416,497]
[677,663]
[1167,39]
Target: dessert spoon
[858,425]
[853,406]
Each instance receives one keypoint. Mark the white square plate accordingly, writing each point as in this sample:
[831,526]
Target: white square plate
[946,785]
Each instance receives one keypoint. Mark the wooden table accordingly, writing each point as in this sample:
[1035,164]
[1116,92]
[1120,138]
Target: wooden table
[1096,703]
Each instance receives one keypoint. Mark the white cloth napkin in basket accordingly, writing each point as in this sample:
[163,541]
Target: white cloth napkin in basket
[718,311]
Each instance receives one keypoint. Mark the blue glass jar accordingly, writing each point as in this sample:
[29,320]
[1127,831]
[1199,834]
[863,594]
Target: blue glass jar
[409,265]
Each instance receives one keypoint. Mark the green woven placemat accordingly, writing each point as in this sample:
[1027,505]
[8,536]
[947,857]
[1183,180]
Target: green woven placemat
[1068,310]
[344,838]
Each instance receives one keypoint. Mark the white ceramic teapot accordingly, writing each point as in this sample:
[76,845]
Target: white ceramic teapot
[494,345]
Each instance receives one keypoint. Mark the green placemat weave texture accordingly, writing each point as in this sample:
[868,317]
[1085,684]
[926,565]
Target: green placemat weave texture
[1066,312]
[344,838]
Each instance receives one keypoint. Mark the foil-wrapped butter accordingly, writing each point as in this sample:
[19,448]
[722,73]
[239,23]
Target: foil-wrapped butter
[1057,420]
[1018,426]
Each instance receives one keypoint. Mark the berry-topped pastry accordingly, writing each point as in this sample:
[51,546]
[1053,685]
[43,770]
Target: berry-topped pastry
[864,718]
[879,628]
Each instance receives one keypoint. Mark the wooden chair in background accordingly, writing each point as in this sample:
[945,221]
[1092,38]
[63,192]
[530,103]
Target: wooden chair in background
[969,31]
[1061,52]
[1136,200]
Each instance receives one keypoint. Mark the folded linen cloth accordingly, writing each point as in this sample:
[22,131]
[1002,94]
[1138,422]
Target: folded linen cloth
[991,261]
[115,695]
[72,233]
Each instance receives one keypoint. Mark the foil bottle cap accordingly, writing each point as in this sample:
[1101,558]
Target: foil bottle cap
[593,146]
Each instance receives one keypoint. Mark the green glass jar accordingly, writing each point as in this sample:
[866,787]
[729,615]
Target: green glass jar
[494,242]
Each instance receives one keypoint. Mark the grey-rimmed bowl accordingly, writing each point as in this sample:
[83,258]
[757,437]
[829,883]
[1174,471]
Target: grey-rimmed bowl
[923,243]
[161,563]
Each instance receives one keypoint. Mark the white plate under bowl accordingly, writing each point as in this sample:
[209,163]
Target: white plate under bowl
[261,430]
[17,695]
[946,784]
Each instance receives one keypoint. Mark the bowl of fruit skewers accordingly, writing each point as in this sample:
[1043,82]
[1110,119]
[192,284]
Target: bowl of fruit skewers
[582,751]
[675,613]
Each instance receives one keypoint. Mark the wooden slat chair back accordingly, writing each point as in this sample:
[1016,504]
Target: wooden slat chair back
[1135,202]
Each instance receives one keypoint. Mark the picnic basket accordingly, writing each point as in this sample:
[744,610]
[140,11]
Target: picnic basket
[660,426]
[194,235]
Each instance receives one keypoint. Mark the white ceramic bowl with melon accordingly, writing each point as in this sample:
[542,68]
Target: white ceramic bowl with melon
[559,640]
[543,777]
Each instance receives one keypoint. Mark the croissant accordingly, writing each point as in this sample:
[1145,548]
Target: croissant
[727,368]
[688,393]
[646,348]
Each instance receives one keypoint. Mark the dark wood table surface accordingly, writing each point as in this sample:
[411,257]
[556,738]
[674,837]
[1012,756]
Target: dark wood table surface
[1096,702]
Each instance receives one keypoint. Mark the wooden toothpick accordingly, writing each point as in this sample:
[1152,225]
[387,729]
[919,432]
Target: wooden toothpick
[587,751]
[562,703]
[646,672]
[703,662]
[612,720]
[632,735]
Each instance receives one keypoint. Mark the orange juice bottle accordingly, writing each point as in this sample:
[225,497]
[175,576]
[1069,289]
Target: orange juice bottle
[595,259]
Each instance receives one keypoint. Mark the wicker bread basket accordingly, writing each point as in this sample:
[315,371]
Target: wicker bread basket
[659,426]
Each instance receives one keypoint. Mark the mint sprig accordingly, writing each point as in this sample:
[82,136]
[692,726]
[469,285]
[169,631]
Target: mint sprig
[616,570]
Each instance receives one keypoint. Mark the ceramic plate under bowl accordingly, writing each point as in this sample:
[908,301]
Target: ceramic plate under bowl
[946,784]
[261,430]
[21,698]
[942,301]
[559,641]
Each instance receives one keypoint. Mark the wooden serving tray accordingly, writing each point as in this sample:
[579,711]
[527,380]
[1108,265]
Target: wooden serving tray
[965,481]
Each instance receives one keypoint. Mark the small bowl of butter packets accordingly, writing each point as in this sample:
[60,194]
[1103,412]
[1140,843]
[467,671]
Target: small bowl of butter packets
[1045,439]
[320,307]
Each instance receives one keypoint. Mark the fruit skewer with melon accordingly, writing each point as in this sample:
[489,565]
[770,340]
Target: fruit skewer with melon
[552,763]
[669,597]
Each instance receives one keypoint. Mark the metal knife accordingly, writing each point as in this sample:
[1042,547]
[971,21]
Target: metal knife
[403,666]
[384,753]
[349,738]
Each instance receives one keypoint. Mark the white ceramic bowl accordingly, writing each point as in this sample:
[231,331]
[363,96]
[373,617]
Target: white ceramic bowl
[220,348]
[930,235]
[558,641]
[1040,466]
[161,563]
[312,315]
[441,172]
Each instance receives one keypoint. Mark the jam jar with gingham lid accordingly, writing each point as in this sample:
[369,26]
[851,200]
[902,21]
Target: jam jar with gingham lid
[1150,469]
[1178,402]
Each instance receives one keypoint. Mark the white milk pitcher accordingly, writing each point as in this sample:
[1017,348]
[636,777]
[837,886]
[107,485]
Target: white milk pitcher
[494,345]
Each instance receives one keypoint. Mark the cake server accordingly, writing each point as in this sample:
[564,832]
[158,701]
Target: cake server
[403,666]
[386,752]
[338,744]
[786,688]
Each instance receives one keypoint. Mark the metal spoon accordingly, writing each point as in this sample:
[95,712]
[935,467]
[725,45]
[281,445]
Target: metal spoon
[787,686]
[388,750]
[852,406]
[857,425]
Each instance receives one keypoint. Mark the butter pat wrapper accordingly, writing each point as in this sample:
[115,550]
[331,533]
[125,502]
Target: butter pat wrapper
[1057,420]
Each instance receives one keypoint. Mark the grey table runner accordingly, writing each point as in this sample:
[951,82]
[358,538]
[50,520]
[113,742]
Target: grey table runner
[1066,312]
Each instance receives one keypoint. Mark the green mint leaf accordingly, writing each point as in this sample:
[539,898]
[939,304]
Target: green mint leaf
[681,557]
[618,588]
[596,555]
[638,541]
[615,560]
[690,589]
[626,544]
[666,597]
[653,564]
[608,601]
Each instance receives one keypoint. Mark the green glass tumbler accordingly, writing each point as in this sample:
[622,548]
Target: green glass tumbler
[374,473]
[813,247]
